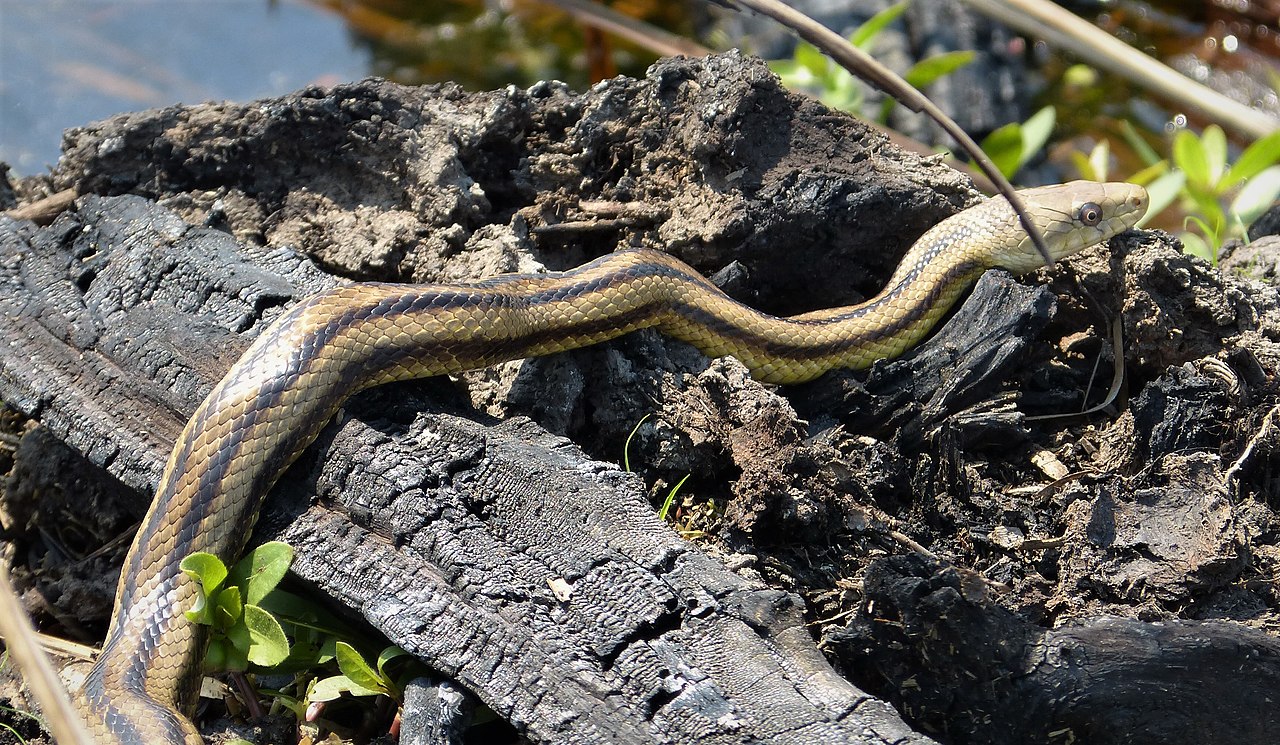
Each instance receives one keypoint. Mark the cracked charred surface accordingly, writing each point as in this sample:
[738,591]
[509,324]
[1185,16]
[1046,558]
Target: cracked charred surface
[442,526]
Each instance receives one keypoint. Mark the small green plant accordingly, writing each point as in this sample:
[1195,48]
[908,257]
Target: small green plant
[626,466]
[626,446]
[249,617]
[1220,199]
[1251,184]
[230,603]
[358,678]
[1010,147]
[13,734]
[671,498]
[811,71]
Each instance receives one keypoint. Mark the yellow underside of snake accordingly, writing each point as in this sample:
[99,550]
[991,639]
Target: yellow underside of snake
[274,400]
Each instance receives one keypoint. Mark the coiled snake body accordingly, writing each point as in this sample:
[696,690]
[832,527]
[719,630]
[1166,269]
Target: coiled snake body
[275,399]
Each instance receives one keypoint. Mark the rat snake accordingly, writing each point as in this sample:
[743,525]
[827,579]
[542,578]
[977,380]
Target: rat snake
[294,377]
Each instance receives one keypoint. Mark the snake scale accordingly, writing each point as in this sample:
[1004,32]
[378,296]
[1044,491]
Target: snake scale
[294,377]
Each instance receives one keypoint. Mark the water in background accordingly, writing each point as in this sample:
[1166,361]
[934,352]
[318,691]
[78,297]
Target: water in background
[65,63]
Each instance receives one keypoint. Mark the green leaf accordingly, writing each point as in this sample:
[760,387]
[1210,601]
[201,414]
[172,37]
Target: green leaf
[1004,148]
[209,572]
[924,72]
[215,658]
[233,651]
[871,28]
[262,570]
[1080,76]
[1257,196]
[304,654]
[812,59]
[240,637]
[329,649]
[782,67]
[1138,144]
[201,612]
[228,608]
[793,76]
[1162,192]
[386,655]
[671,497]
[206,569]
[1099,161]
[293,608]
[626,445]
[237,660]
[285,603]
[1012,145]
[1084,165]
[295,707]
[354,667]
[845,93]
[1259,156]
[330,688]
[1150,173]
[1035,133]
[301,613]
[1210,210]
[1199,223]
[1206,247]
[1196,246]
[1214,142]
[308,647]
[269,647]
[1189,155]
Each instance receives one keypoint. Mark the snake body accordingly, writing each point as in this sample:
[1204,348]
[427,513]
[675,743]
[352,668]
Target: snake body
[294,377]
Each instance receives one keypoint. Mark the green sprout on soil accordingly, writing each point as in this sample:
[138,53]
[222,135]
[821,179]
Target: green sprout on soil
[230,604]
[252,619]
[626,446]
[670,499]
[358,677]
[14,715]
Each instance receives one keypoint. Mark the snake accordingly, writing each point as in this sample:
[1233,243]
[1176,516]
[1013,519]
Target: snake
[295,375]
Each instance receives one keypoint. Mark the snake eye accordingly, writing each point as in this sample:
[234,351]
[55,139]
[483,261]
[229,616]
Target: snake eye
[1090,214]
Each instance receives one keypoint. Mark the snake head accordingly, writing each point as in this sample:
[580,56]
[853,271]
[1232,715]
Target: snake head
[1072,217]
